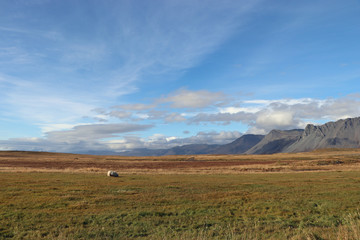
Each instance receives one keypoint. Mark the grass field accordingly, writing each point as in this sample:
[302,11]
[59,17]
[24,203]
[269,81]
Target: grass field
[68,203]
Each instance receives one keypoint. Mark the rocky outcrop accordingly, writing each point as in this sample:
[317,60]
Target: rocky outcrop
[344,133]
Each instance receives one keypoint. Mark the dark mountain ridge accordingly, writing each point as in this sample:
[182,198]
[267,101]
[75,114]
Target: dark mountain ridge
[276,141]
[239,146]
[344,133]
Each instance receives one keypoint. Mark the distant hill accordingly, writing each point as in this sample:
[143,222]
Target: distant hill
[191,149]
[239,146]
[143,152]
[343,133]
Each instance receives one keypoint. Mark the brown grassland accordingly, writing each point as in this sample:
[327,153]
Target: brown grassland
[313,195]
[319,160]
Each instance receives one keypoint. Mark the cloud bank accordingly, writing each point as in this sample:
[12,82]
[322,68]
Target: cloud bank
[259,115]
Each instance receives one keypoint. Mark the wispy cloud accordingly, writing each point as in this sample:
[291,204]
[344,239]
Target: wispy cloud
[271,114]
[82,138]
[45,109]
[98,73]
[95,132]
[160,141]
[178,33]
[96,69]
[14,30]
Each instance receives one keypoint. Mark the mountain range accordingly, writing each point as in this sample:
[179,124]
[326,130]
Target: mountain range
[344,133]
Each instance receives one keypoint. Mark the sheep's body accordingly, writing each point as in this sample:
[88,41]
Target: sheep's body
[112,174]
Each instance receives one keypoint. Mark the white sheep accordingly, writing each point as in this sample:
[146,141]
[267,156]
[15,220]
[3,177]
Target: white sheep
[112,174]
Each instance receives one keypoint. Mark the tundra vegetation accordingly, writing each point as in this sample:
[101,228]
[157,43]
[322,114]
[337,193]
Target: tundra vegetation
[291,196]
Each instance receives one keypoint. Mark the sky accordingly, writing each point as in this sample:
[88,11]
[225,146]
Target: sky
[114,75]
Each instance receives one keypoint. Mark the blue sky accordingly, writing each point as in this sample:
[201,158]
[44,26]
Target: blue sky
[94,75]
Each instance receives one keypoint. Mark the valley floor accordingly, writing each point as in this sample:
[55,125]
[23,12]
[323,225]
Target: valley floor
[320,160]
[60,196]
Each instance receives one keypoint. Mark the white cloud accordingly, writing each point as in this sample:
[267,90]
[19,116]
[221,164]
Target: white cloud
[269,120]
[94,132]
[224,118]
[135,106]
[57,127]
[282,113]
[233,110]
[43,144]
[120,114]
[275,118]
[184,98]
[79,139]
[160,141]
[216,137]
[118,136]
[283,101]
[171,138]
[174,117]
[82,139]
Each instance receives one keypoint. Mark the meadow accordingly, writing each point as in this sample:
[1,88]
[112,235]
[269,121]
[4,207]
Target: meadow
[308,198]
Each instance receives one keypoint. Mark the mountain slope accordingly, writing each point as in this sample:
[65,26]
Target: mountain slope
[344,133]
[143,152]
[276,141]
[191,149]
[240,145]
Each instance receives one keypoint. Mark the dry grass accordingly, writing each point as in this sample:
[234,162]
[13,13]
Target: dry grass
[312,195]
[319,160]
[316,205]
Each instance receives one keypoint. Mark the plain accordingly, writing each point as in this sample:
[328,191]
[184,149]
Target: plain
[296,202]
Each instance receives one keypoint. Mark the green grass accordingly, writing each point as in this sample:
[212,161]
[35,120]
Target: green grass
[248,206]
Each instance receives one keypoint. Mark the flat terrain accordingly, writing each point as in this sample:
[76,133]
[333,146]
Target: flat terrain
[321,160]
[283,196]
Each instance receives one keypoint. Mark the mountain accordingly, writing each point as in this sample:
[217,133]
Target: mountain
[344,133]
[191,149]
[143,152]
[276,141]
[240,145]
